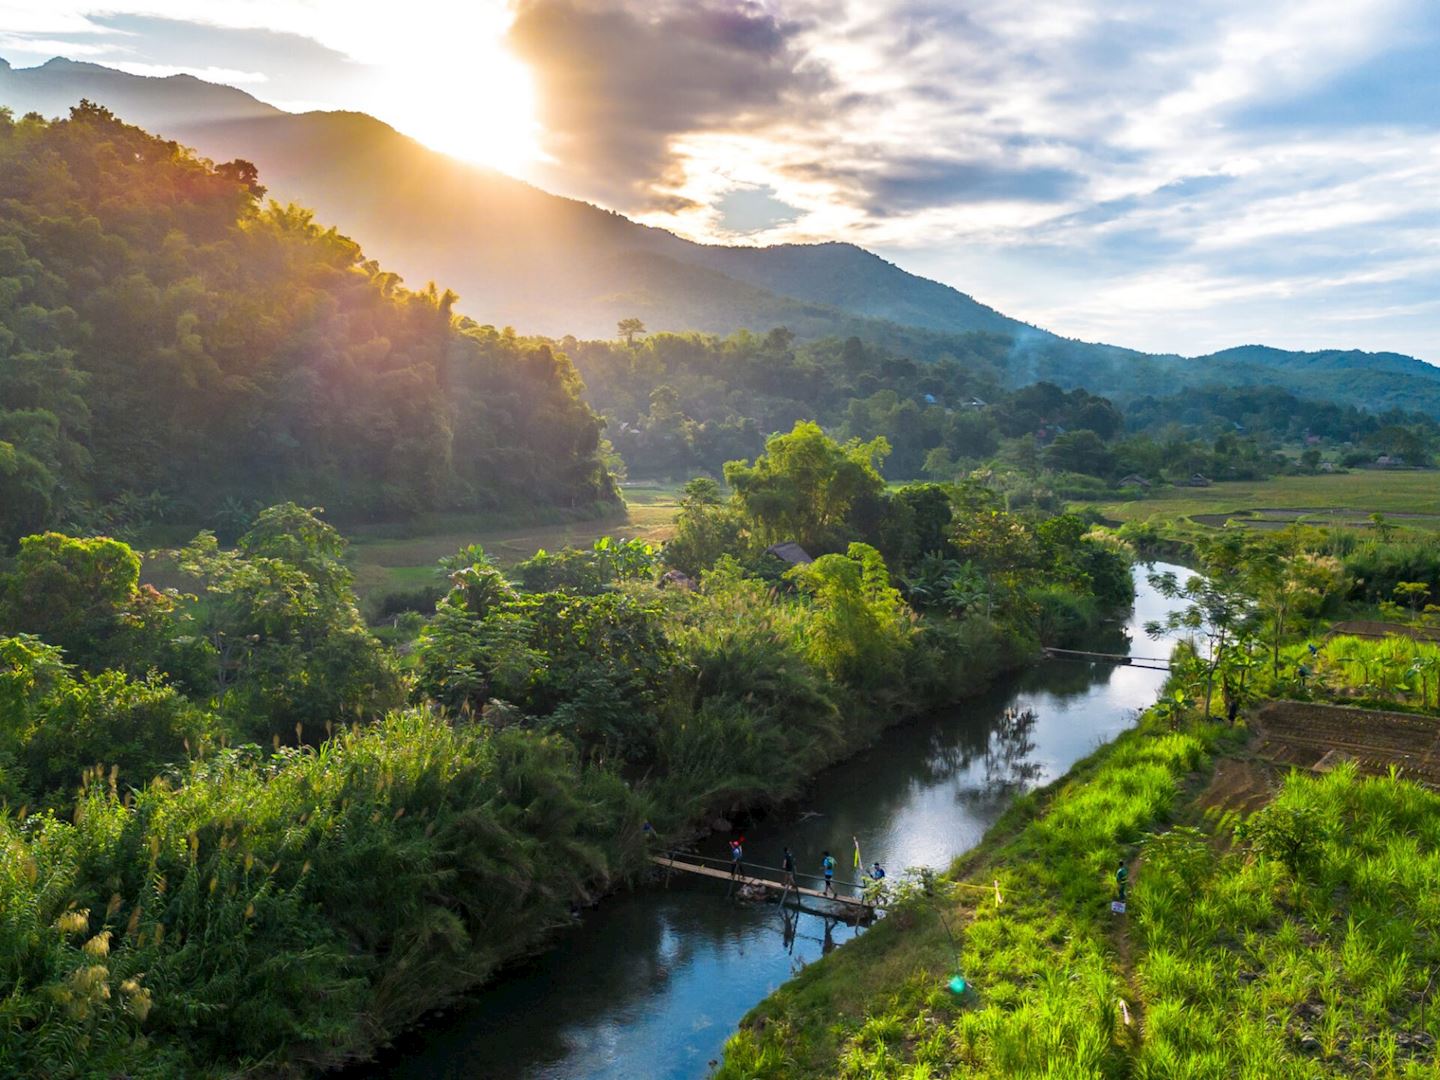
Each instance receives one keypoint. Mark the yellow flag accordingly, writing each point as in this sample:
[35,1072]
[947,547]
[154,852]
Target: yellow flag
[857,851]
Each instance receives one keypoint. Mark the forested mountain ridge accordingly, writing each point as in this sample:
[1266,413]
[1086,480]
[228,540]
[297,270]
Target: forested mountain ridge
[678,404]
[166,339]
[550,265]
[1375,380]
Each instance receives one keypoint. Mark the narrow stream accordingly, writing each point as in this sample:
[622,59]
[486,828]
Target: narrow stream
[653,982]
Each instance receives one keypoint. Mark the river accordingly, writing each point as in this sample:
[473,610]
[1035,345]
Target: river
[652,982]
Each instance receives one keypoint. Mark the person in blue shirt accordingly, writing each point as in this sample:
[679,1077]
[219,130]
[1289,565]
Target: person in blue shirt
[737,852]
[827,864]
[877,872]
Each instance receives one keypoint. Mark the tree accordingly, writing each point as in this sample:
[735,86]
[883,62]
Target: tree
[1217,604]
[70,592]
[705,529]
[804,485]
[1078,451]
[1288,582]
[166,333]
[245,174]
[27,493]
[1413,595]
[290,651]
[628,328]
[859,622]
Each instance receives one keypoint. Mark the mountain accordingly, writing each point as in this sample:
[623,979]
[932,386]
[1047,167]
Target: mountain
[164,103]
[545,264]
[1383,380]
[515,254]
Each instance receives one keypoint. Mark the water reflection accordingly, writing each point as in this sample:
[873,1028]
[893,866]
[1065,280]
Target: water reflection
[654,981]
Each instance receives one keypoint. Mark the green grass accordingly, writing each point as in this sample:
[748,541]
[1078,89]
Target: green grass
[1393,671]
[1356,494]
[1313,965]
[1300,942]
[401,557]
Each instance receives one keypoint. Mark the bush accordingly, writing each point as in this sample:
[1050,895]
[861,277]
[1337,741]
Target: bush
[1061,616]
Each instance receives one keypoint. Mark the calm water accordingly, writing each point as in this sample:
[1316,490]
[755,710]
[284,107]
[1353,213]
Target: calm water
[653,982]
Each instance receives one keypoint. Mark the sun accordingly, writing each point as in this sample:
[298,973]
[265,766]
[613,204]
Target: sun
[464,94]
[484,113]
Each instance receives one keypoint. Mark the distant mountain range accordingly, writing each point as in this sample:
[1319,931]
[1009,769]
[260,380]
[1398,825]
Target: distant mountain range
[549,265]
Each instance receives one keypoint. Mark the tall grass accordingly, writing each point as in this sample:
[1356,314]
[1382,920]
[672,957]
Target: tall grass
[1394,669]
[287,911]
[1255,967]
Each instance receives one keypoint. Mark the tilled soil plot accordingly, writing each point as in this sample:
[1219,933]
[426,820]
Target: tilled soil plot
[1310,735]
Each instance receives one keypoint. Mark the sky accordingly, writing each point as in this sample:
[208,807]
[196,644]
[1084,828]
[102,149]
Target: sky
[1171,177]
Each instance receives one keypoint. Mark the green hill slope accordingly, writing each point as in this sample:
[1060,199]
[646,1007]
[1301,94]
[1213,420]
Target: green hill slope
[164,340]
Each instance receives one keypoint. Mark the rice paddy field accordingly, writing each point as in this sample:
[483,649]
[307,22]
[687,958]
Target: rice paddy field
[1410,499]
[391,559]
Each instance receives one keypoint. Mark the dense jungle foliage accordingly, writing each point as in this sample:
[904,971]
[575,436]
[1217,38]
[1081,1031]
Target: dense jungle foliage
[240,832]
[170,346]
[678,403]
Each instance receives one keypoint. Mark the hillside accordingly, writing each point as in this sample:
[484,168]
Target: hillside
[522,257]
[168,347]
[1379,381]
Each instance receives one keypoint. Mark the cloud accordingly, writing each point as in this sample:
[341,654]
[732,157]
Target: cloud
[620,82]
[751,209]
[229,76]
[907,185]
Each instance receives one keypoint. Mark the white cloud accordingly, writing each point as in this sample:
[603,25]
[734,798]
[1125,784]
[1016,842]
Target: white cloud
[230,76]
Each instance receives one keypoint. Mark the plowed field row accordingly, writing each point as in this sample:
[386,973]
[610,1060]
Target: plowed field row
[1301,733]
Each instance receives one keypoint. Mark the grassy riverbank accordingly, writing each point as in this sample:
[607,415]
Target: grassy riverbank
[1283,941]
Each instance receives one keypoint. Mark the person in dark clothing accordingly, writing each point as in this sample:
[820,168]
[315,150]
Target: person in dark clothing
[787,864]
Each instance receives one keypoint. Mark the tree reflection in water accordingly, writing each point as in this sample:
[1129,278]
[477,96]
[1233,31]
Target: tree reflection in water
[1007,752]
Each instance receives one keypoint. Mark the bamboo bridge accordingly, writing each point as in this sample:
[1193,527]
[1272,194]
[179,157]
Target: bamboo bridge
[696,864]
[1153,663]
